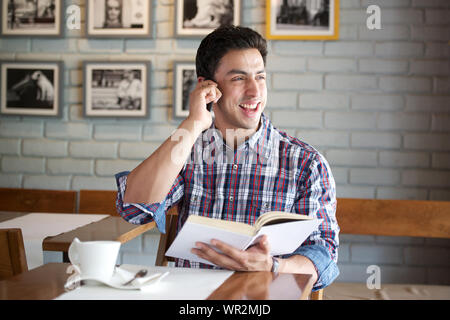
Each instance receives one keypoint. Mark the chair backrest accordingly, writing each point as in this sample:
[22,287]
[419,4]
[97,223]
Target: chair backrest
[12,253]
[37,200]
[98,201]
[165,240]
[408,218]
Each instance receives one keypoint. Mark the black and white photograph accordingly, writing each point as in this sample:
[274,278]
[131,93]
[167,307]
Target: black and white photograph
[197,18]
[31,88]
[116,89]
[31,17]
[118,18]
[302,19]
[185,79]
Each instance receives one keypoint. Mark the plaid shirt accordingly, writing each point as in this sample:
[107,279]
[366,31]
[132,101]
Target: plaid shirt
[271,171]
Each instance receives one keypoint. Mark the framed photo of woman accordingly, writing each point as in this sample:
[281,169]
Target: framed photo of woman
[118,18]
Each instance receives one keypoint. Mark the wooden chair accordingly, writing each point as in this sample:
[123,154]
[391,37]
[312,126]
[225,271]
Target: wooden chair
[36,200]
[98,202]
[165,240]
[12,253]
[403,218]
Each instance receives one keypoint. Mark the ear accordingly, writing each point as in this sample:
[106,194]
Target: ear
[200,79]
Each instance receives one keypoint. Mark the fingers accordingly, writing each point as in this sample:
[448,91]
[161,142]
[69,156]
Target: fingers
[206,252]
[210,91]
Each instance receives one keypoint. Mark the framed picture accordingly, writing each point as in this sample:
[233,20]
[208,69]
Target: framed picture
[184,81]
[31,18]
[116,89]
[197,18]
[302,19]
[118,18]
[32,88]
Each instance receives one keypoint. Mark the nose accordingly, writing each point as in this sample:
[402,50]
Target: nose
[252,89]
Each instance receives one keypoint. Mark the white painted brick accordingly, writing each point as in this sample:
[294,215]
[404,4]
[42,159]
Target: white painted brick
[360,192]
[46,182]
[426,256]
[67,130]
[137,150]
[404,121]
[427,33]
[353,16]
[331,64]
[437,49]
[440,122]
[138,259]
[277,100]
[348,48]
[405,84]
[111,167]
[69,166]
[402,193]
[442,85]
[356,238]
[427,67]
[151,242]
[399,49]
[304,81]
[158,132]
[15,45]
[400,159]
[134,245]
[297,119]
[376,254]
[93,183]
[350,82]
[321,101]
[402,16]
[350,120]
[441,160]
[429,103]
[160,114]
[115,132]
[44,147]
[347,157]
[430,3]
[285,64]
[440,194]
[426,141]
[162,97]
[374,176]
[383,66]
[387,32]
[149,45]
[17,129]
[426,178]
[377,102]
[106,46]
[300,48]
[344,253]
[324,138]
[93,149]
[22,164]
[340,176]
[10,146]
[54,45]
[402,274]
[10,180]
[376,140]
[387,3]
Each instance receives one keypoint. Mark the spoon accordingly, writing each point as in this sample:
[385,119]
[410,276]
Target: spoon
[141,273]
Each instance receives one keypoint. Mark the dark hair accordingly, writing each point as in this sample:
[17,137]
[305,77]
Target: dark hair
[223,39]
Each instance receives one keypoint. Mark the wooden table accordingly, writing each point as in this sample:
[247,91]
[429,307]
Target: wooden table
[47,282]
[109,228]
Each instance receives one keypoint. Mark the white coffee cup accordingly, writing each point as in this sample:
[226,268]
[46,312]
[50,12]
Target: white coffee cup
[94,259]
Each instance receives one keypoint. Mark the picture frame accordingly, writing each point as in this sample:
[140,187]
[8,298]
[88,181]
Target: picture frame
[31,88]
[116,89]
[118,19]
[184,81]
[190,22]
[310,20]
[43,18]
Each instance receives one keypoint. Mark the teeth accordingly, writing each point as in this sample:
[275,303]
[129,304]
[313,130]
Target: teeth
[249,106]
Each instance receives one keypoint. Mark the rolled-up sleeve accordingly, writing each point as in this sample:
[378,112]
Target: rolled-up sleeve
[142,213]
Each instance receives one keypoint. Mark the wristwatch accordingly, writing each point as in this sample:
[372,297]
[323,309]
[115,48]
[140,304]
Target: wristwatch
[275,265]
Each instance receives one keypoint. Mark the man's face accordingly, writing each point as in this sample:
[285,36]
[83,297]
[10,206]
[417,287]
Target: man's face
[113,8]
[241,78]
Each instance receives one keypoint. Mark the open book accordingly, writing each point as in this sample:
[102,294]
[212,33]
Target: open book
[285,231]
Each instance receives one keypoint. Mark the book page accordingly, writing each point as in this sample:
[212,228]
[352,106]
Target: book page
[237,227]
[278,217]
[193,232]
[285,237]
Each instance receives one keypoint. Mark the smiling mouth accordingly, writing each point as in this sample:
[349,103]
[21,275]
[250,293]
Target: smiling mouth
[251,106]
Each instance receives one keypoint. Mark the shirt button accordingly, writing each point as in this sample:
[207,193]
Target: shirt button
[231,198]
[235,166]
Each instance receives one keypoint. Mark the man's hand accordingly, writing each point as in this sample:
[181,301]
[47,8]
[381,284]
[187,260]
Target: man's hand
[255,258]
[205,92]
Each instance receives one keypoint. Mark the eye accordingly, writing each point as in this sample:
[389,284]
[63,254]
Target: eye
[237,78]
[261,77]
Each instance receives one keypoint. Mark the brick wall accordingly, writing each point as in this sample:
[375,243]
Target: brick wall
[376,103]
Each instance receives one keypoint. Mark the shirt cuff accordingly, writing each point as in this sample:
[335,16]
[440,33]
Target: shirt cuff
[327,269]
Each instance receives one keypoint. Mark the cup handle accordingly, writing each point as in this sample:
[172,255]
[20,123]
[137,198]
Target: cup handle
[73,255]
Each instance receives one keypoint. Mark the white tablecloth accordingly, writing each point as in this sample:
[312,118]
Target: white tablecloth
[37,226]
[179,284]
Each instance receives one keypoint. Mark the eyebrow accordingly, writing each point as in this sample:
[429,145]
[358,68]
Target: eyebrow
[237,71]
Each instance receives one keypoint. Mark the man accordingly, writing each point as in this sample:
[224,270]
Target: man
[263,169]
